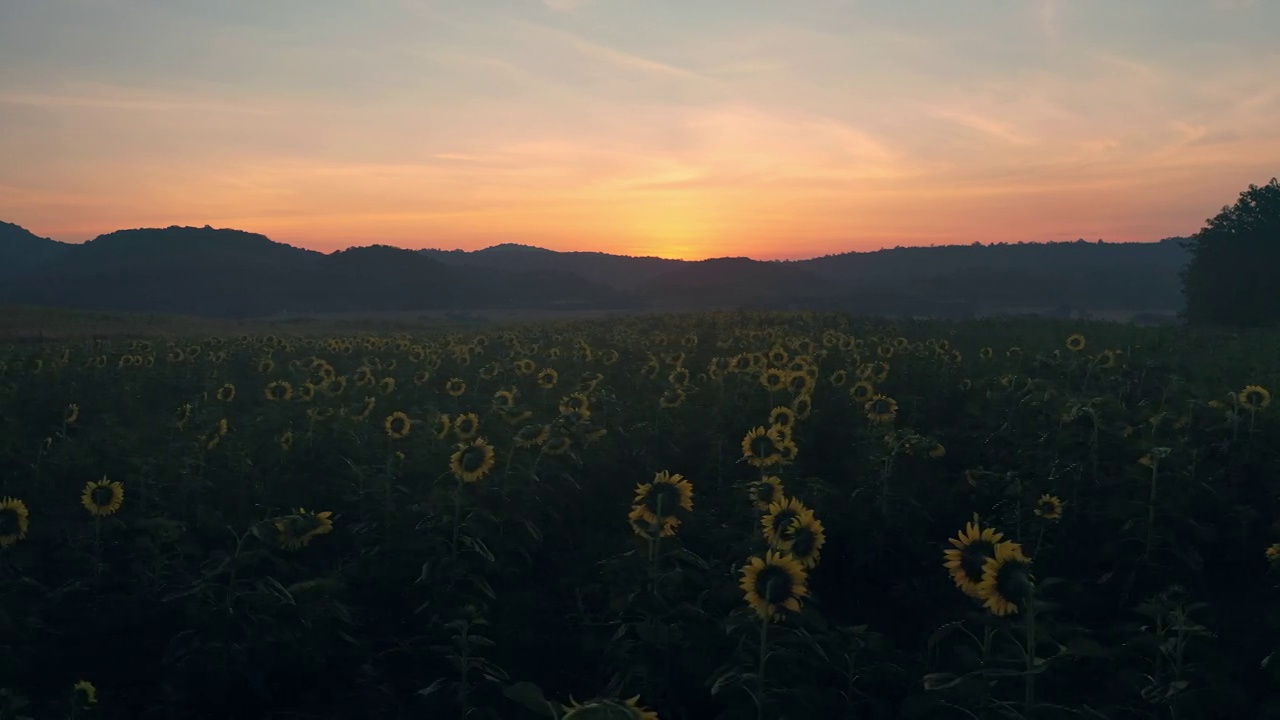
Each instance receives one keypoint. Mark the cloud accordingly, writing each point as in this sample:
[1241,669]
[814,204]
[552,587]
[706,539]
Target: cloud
[107,97]
[1003,131]
[567,6]
[607,54]
[1049,20]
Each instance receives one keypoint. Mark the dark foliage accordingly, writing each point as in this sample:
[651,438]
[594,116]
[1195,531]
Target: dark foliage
[1230,279]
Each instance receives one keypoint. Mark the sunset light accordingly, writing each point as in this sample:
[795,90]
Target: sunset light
[754,128]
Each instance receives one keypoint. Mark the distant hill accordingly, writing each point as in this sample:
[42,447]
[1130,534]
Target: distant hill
[232,273]
[21,251]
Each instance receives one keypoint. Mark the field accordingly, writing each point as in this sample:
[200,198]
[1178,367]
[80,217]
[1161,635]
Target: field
[730,515]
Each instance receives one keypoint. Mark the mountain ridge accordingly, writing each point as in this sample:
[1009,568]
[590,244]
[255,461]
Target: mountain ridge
[235,273]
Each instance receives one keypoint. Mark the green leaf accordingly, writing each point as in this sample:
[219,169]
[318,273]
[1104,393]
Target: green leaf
[530,696]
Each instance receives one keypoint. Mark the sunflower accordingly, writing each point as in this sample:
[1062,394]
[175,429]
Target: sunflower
[387,385]
[531,435]
[397,425]
[838,378]
[576,402]
[802,406]
[662,496]
[455,387]
[285,440]
[968,555]
[760,449]
[774,584]
[671,397]
[226,393]
[278,391]
[466,426]
[664,526]
[881,409]
[14,521]
[335,386]
[1254,398]
[804,539]
[799,384]
[296,531]
[366,407]
[986,353]
[421,377]
[766,491]
[1006,579]
[504,398]
[1049,507]
[472,460]
[604,709]
[364,376]
[862,391]
[1272,552]
[558,445]
[102,498]
[266,365]
[778,520]
[1075,343]
[783,417]
[306,392]
[547,378]
[774,380]
[84,694]
[442,426]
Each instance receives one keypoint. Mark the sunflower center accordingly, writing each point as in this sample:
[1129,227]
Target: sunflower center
[762,446]
[8,521]
[774,584]
[1013,581]
[1253,397]
[101,496]
[804,542]
[472,459]
[662,499]
[783,521]
[974,556]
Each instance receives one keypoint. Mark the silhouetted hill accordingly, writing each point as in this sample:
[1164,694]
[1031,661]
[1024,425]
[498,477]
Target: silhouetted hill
[735,282]
[21,251]
[619,271]
[231,273]
[1084,275]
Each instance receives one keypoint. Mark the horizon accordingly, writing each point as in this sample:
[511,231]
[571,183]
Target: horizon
[739,128]
[431,248]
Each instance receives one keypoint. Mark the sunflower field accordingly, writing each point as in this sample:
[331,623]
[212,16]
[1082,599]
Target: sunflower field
[729,515]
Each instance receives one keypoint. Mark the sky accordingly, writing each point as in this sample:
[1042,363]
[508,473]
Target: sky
[679,128]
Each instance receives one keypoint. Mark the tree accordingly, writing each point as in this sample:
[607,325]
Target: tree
[1231,276]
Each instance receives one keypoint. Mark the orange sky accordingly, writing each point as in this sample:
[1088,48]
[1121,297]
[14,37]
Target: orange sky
[733,127]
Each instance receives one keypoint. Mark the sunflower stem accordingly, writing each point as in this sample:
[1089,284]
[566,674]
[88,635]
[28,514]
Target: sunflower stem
[1029,681]
[764,654]
[457,520]
[1151,508]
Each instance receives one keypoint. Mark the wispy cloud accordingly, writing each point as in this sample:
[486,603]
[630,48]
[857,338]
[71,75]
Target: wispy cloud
[105,97]
[567,6]
[605,53]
